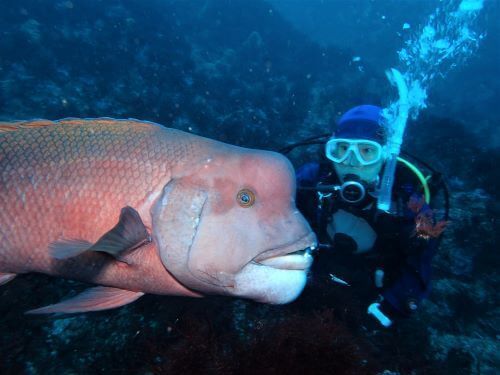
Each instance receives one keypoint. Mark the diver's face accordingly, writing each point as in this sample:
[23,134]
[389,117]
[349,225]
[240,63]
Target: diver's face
[351,165]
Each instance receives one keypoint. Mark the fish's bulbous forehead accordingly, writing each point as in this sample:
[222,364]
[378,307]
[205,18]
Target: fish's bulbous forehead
[268,164]
[268,174]
[269,171]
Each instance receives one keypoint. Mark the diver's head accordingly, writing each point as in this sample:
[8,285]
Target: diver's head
[357,147]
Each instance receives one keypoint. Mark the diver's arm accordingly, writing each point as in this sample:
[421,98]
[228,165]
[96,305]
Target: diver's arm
[307,174]
[417,247]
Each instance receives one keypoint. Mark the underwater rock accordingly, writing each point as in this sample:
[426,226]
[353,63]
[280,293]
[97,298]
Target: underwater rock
[463,311]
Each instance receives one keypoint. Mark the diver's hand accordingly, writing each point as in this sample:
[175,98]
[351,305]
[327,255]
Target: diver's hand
[375,310]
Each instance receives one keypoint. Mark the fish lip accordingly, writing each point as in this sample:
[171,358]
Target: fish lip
[308,240]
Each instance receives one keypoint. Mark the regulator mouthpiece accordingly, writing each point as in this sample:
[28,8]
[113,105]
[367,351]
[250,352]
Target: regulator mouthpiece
[352,191]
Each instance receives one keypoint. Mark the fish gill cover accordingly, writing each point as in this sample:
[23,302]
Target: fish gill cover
[254,74]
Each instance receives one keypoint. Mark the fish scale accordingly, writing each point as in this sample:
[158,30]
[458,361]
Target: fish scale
[76,170]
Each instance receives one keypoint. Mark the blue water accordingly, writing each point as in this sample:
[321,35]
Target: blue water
[265,74]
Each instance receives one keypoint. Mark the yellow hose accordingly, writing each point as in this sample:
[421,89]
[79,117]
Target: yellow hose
[420,176]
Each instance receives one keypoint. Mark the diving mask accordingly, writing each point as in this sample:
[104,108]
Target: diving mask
[366,152]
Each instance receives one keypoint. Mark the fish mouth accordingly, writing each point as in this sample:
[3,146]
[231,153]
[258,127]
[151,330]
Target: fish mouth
[294,256]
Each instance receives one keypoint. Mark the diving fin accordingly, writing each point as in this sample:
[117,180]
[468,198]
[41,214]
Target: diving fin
[93,299]
[129,234]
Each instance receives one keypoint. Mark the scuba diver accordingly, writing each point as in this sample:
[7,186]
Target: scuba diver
[385,255]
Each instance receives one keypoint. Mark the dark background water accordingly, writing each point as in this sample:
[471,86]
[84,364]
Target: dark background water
[373,30]
[258,74]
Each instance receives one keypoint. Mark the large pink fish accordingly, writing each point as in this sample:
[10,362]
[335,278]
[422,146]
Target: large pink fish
[139,208]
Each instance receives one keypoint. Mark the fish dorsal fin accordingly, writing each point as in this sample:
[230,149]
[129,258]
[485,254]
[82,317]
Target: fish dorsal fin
[17,125]
[93,299]
[103,121]
[31,124]
[129,234]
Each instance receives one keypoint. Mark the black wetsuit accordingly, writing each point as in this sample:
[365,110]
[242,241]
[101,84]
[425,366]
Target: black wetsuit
[404,256]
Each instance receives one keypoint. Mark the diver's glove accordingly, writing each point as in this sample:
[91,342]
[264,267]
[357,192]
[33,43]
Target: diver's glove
[376,311]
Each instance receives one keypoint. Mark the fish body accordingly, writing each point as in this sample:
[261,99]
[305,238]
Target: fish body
[66,185]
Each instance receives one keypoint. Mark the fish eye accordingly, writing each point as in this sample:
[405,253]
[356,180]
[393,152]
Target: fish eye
[245,198]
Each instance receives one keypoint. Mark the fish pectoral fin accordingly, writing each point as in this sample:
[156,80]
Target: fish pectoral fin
[68,248]
[6,277]
[93,299]
[129,234]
